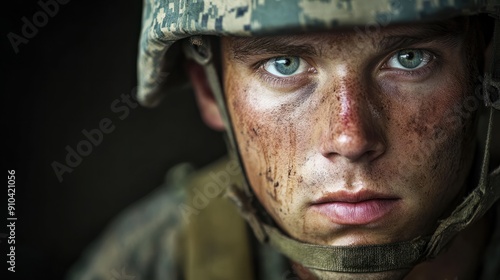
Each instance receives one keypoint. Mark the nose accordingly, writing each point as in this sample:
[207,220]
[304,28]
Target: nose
[354,130]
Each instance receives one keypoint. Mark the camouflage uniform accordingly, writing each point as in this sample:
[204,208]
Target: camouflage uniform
[186,229]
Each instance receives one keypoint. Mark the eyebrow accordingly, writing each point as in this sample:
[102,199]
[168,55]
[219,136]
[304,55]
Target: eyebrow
[420,35]
[446,32]
[243,47]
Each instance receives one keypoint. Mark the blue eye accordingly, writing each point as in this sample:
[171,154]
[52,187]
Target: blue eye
[285,66]
[409,59]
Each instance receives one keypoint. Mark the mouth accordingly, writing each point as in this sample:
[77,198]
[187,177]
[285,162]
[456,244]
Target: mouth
[359,208]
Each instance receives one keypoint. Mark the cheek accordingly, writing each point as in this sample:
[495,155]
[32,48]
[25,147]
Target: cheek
[268,142]
[428,128]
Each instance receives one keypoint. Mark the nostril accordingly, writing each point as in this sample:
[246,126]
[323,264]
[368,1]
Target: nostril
[362,145]
[372,154]
[376,150]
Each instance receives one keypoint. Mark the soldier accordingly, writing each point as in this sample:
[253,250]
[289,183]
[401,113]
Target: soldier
[351,127]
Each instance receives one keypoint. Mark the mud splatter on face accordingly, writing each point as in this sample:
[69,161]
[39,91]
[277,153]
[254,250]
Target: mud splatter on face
[349,123]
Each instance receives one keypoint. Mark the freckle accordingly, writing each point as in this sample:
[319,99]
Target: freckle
[268,176]
[255,131]
[277,184]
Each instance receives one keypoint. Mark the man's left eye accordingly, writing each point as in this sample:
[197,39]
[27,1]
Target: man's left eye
[409,59]
[286,66]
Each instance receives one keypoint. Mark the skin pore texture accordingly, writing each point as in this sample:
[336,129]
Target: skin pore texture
[351,147]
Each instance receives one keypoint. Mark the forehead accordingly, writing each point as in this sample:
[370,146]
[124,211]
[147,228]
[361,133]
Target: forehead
[379,37]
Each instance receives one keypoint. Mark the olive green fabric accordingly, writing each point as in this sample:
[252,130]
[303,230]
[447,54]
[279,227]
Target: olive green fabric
[217,245]
[350,259]
[143,242]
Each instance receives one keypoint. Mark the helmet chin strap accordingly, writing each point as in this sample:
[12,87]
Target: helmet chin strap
[368,258]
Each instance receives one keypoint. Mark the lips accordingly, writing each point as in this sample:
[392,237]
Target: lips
[360,208]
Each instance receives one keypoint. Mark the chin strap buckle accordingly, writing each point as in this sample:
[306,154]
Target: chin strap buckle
[247,211]
[199,49]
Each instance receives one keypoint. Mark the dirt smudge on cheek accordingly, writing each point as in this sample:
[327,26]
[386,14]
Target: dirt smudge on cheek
[267,140]
[259,144]
[248,132]
[276,146]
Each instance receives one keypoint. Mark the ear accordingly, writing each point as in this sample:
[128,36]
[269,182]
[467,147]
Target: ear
[204,96]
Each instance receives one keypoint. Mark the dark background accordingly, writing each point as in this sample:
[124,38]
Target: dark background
[62,81]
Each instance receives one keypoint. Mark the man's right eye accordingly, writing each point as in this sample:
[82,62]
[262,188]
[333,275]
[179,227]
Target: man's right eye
[286,66]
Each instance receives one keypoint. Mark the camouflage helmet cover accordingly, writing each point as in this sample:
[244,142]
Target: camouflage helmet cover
[168,21]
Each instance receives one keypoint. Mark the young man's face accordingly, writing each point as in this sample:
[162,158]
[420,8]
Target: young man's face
[349,138]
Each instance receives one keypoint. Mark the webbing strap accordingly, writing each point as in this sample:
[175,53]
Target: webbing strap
[475,204]
[350,259]
[203,56]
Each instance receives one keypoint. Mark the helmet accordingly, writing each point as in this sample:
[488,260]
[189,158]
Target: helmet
[166,22]
[170,26]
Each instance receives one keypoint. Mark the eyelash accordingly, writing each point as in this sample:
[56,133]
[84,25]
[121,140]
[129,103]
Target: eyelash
[300,79]
[281,82]
[412,73]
